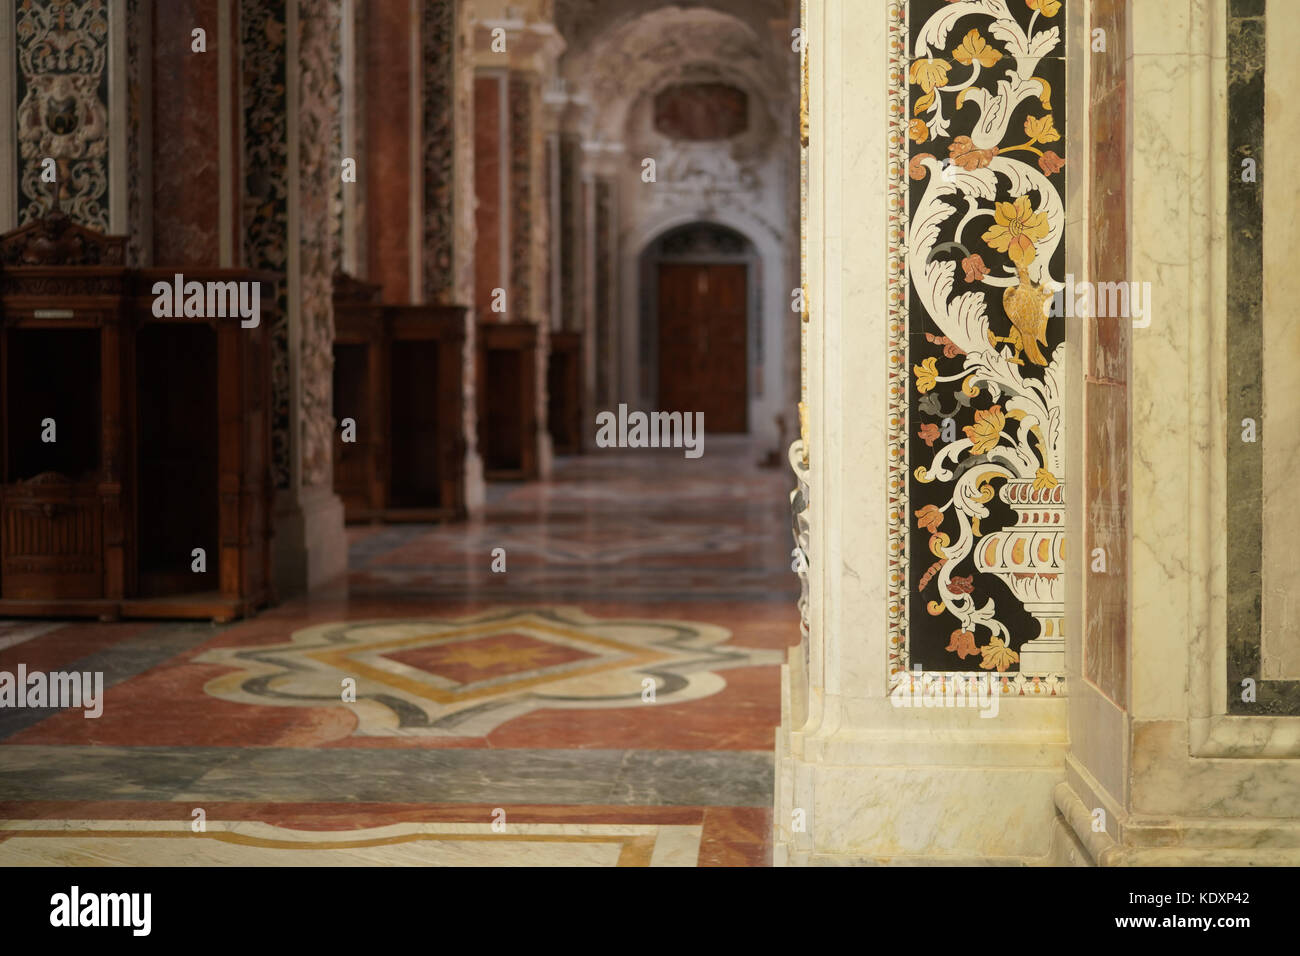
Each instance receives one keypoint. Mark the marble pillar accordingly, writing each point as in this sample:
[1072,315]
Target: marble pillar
[1200,762]
[447,152]
[529,236]
[392,178]
[515,52]
[491,254]
[292,200]
[868,772]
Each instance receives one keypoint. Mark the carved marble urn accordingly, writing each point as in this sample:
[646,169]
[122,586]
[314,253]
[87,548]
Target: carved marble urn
[1029,557]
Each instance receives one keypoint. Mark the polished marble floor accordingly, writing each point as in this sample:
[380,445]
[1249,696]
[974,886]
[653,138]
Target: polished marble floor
[610,698]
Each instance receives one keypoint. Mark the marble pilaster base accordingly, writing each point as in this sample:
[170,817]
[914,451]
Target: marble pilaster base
[310,546]
[921,788]
[475,486]
[1134,839]
[1043,656]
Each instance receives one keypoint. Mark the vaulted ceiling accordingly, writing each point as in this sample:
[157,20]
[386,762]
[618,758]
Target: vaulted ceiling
[640,53]
[582,20]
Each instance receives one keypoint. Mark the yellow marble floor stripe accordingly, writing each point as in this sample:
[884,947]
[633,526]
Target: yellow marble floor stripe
[636,846]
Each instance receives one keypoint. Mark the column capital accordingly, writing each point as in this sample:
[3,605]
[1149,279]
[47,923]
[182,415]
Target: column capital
[602,157]
[530,46]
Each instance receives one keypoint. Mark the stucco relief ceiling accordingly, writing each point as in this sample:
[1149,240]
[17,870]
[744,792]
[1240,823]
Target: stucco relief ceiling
[638,57]
[582,20]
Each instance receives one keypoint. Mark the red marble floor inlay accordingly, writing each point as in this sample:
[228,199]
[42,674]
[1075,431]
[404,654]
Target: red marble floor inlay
[483,658]
[617,536]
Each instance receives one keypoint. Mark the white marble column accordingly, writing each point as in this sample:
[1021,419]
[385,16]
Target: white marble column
[1200,764]
[859,779]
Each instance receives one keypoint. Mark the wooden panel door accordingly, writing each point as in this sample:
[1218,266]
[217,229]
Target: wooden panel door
[703,351]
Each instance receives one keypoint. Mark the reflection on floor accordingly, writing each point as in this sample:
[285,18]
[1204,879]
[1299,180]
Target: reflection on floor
[609,699]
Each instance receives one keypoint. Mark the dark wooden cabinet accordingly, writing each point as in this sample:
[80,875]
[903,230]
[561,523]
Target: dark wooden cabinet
[128,439]
[398,375]
[507,399]
[564,414]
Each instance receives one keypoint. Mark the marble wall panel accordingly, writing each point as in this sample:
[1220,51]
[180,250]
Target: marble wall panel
[488,156]
[1105,638]
[387,133]
[1251,218]
[1281,424]
[186,153]
[1106,417]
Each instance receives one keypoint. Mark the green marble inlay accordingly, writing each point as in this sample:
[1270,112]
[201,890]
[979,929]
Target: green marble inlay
[1245,66]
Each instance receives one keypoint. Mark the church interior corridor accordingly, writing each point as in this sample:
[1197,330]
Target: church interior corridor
[505,434]
[518,693]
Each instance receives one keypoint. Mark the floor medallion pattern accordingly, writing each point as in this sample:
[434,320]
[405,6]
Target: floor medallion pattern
[468,675]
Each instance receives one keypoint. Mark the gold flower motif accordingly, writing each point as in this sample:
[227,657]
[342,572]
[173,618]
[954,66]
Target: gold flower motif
[1016,227]
[1044,479]
[1041,129]
[987,430]
[1048,8]
[917,131]
[929,73]
[926,374]
[973,48]
[996,654]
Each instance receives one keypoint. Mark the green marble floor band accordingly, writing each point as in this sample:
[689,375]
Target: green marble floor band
[287,774]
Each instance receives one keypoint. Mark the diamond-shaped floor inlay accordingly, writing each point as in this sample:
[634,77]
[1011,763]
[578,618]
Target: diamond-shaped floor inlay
[466,676]
[478,659]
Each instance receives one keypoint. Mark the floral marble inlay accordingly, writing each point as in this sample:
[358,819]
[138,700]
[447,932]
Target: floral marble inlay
[522,247]
[319,213]
[438,75]
[265,214]
[977,473]
[62,96]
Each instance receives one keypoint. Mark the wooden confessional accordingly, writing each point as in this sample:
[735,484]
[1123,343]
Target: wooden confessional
[506,387]
[398,376]
[127,440]
[564,392]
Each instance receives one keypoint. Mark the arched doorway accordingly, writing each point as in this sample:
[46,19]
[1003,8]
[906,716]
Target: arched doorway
[699,330]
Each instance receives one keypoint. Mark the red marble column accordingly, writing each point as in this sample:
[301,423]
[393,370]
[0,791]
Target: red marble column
[186,123]
[388,137]
[490,135]
[1106,372]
